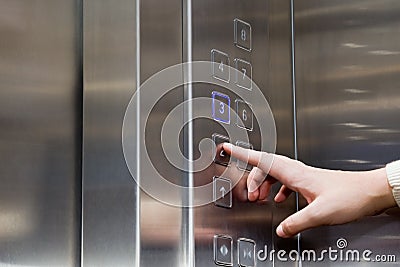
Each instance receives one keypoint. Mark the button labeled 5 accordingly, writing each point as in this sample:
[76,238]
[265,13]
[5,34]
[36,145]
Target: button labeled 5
[241,164]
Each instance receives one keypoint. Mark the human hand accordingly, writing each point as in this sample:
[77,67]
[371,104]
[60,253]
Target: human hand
[334,197]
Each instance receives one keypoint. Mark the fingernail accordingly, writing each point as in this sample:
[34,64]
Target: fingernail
[279,231]
[252,186]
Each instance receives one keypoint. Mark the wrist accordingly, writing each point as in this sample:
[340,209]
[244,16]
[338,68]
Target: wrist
[380,191]
[393,177]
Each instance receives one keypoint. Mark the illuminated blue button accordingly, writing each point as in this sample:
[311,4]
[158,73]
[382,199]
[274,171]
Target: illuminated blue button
[221,107]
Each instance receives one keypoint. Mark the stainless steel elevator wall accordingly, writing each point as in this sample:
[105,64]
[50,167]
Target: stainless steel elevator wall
[109,192]
[270,57]
[161,225]
[123,226]
[348,101]
[40,136]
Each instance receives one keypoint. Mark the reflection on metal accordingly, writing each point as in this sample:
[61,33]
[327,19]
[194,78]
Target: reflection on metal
[270,58]
[109,230]
[347,77]
[40,132]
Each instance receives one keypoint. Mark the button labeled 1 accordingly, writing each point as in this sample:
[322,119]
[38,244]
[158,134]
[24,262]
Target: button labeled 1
[222,192]
[244,74]
[220,65]
[223,250]
[244,166]
[220,156]
[244,115]
[221,107]
[242,31]
[246,252]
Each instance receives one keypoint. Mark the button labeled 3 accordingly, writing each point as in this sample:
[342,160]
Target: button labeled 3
[244,115]
[220,65]
[246,252]
[221,107]
[244,74]
[223,250]
[222,192]
[242,37]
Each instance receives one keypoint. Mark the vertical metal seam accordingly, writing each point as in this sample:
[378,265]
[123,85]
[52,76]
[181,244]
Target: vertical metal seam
[294,105]
[138,169]
[190,95]
[82,63]
[187,212]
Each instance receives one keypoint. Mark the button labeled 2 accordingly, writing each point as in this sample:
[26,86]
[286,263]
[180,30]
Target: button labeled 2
[221,107]
[244,115]
[244,74]
[220,65]
[220,157]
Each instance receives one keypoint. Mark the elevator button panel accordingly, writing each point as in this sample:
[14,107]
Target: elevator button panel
[220,65]
[223,250]
[244,74]
[220,157]
[244,118]
[244,166]
[221,107]
[242,36]
[222,192]
[246,252]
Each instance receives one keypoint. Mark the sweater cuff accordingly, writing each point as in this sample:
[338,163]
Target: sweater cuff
[393,175]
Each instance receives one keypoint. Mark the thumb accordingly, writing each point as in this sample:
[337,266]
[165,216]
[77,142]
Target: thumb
[297,222]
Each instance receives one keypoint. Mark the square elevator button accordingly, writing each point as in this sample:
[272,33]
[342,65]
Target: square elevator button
[220,156]
[241,164]
[246,252]
[243,75]
[223,250]
[222,194]
[244,114]
[220,65]
[242,34]
[221,107]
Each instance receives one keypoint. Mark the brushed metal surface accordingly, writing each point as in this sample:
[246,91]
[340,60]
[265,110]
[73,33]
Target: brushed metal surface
[121,225]
[213,26]
[347,77]
[109,192]
[40,136]
[161,225]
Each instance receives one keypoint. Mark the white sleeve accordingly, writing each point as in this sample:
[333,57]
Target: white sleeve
[393,175]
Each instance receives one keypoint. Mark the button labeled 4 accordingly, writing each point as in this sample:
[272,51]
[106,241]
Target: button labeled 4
[220,65]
